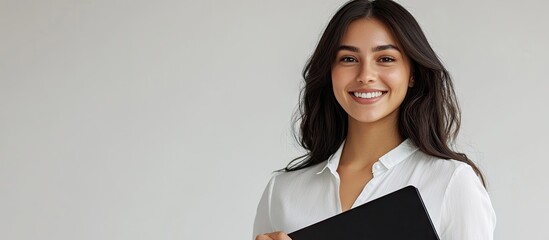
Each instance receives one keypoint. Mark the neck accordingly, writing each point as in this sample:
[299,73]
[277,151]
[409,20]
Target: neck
[367,142]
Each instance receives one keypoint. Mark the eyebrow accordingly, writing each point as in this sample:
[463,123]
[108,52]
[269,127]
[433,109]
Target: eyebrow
[374,49]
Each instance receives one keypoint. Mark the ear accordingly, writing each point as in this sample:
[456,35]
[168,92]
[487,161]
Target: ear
[411,81]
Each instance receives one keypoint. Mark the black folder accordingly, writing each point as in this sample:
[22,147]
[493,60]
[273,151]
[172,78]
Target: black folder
[397,215]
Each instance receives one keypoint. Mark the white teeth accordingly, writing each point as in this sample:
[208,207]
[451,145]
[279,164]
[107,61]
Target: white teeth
[368,94]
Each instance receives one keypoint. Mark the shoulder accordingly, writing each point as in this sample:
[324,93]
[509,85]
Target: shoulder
[454,195]
[440,170]
[439,178]
[437,163]
[290,201]
[284,180]
[466,210]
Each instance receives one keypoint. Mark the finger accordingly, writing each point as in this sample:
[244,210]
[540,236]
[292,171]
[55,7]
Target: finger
[263,237]
[279,236]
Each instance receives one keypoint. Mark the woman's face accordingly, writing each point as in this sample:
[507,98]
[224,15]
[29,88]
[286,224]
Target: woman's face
[370,75]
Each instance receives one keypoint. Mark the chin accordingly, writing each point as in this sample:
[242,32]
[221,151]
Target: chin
[366,118]
[373,117]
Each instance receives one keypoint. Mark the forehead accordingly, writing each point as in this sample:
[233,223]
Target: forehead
[368,32]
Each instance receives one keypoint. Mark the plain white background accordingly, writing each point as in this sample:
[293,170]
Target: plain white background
[163,119]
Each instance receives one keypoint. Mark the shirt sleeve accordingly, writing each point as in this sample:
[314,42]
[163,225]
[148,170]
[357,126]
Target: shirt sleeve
[467,211]
[262,223]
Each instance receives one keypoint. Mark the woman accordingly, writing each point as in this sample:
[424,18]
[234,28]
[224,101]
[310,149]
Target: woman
[378,113]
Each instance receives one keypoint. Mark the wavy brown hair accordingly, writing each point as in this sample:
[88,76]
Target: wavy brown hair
[429,114]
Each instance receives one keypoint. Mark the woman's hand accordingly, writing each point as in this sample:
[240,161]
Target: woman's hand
[273,236]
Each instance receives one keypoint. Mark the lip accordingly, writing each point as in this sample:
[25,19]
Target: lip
[367,100]
[367,90]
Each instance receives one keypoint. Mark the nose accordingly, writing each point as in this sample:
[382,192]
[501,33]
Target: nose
[367,73]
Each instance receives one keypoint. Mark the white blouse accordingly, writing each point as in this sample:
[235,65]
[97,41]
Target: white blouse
[458,204]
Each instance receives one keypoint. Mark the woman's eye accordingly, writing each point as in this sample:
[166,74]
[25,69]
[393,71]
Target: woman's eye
[386,59]
[348,59]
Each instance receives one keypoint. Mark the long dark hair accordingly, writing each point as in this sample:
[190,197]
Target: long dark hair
[429,115]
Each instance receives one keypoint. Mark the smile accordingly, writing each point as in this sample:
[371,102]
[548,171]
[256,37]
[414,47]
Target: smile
[368,95]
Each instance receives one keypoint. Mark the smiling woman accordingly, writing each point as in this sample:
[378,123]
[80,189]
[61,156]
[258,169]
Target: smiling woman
[378,113]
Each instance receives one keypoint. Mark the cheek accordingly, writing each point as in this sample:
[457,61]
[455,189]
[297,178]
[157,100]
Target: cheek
[396,80]
[342,76]
[339,84]
[338,80]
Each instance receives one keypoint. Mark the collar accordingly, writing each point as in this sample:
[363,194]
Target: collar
[333,161]
[389,160]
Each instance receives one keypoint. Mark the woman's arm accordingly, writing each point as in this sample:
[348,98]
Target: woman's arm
[467,211]
[262,223]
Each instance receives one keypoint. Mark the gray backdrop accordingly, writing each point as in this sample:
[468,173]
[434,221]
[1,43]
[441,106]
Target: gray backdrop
[163,119]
